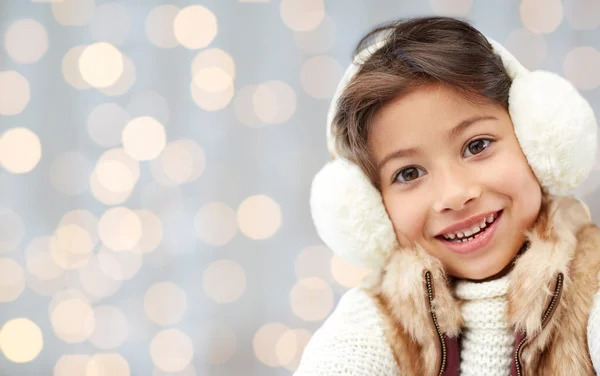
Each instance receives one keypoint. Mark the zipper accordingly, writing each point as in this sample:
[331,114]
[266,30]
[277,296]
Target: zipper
[435,322]
[549,310]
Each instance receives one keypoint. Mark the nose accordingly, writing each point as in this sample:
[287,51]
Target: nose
[456,188]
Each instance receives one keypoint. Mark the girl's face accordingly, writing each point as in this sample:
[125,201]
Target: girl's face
[447,166]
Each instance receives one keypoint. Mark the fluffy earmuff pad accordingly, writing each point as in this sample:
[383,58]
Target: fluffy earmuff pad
[556,129]
[349,215]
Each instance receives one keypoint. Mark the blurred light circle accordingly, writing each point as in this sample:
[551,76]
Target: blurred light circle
[528,47]
[152,231]
[187,371]
[111,23]
[583,14]
[581,67]
[95,282]
[314,262]
[345,274]
[101,64]
[165,303]
[114,175]
[20,150]
[14,93]
[244,106]
[302,15]
[144,138]
[451,8]
[317,41]
[222,344]
[69,173]
[259,217]
[83,219]
[216,223]
[107,365]
[159,26]
[211,101]
[119,266]
[12,230]
[195,26]
[212,79]
[120,229]
[106,123]
[320,76]
[100,191]
[178,162]
[224,281]
[39,261]
[125,81]
[283,347]
[214,58]
[171,350]
[12,280]
[274,102]
[71,246]
[311,299]
[149,103]
[70,68]
[21,340]
[111,328]
[265,341]
[71,364]
[541,16]
[26,41]
[73,12]
[73,320]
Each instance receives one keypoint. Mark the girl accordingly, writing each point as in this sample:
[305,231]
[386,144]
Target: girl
[450,173]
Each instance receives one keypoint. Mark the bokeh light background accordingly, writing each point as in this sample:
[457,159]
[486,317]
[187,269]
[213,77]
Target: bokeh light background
[156,160]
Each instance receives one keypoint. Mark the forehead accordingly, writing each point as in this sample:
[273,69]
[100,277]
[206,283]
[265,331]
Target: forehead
[423,115]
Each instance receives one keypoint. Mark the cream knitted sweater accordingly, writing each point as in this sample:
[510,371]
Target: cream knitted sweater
[352,342]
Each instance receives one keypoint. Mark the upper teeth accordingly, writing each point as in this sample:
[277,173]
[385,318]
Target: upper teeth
[468,232]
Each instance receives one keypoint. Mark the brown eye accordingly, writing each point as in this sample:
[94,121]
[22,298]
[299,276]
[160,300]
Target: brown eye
[408,174]
[477,146]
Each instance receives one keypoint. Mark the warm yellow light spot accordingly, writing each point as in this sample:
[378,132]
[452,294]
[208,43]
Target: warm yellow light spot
[70,68]
[114,175]
[165,303]
[119,266]
[259,217]
[120,229]
[171,350]
[195,26]
[265,341]
[97,283]
[105,195]
[581,67]
[320,76]
[214,57]
[346,274]
[224,281]
[216,223]
[72,364]
[125,81]
[73,320]
[71,246]
[83,219]
[20,150]
[212,79]
[26,41]
[159,26]
[283,347]
[101,64]
[144,138]
[107,365]
[302,15]
[152,231]
[311,299]
[21,340]
[274,102]
[14,93]
[12,280]
[541,16]
[39,261]
[211,101]
[111,328]
[73,12]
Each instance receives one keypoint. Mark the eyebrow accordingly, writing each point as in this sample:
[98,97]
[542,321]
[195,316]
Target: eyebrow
[452,134]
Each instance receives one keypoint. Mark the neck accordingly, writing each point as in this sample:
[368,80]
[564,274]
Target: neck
[507,269]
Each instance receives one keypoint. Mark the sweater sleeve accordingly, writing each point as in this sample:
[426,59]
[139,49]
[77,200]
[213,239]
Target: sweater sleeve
[351,342]
[593,333]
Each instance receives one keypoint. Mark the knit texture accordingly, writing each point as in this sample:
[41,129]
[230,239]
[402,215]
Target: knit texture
[351,342]
[593,332]
[487,339]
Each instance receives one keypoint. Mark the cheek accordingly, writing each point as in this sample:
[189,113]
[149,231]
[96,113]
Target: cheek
[407,216]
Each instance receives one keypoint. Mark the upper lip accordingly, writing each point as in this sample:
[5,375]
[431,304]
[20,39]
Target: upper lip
[467,223]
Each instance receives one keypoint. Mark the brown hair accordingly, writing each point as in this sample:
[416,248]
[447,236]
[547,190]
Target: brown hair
[416,52]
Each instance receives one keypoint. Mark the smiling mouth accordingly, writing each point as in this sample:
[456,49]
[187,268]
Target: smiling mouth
[470,234]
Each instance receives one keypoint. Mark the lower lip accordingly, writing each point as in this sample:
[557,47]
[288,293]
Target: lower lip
[476,243]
